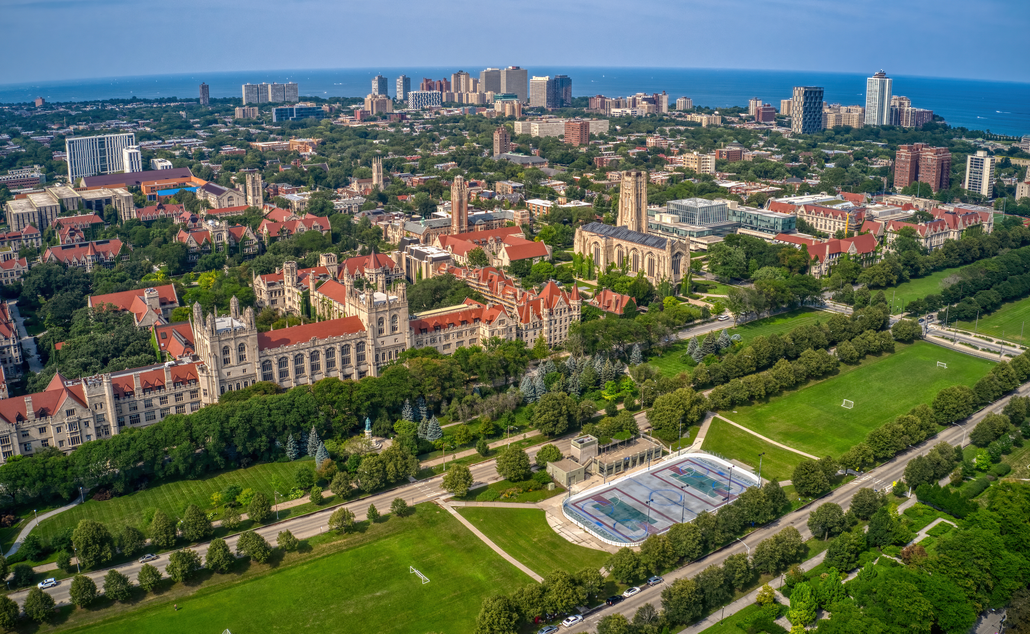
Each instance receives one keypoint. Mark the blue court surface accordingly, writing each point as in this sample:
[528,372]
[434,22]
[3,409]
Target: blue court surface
[625,511]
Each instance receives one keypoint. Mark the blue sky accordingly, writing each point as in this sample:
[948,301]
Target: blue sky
[74,39]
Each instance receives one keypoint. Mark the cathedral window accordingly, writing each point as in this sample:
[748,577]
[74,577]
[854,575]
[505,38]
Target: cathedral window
[393,324]
[360,352]
[284,368]
[330,359]
[241,353]
[266,370]
[382,327]
[226,358]
[316,361]
[345,355]
[298,365]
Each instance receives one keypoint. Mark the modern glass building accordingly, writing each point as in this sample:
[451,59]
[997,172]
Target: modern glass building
[698,211]
[293,113]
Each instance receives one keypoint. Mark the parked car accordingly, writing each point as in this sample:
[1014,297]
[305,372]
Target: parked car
[549,629]
[655,580]
[630,592]
[612,600]
[148,557]
[572,620]
[724,317]
[47,583]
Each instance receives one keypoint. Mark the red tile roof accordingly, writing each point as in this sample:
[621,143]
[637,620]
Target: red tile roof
[527,250]
[300,334]
[362,263]
[73,254]
[175,339]
[124,299]
[610,301]
[334,291]
[81,221]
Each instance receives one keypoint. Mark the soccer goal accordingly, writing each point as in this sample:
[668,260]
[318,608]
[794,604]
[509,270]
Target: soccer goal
[941,364]
[425,579]
[847,404]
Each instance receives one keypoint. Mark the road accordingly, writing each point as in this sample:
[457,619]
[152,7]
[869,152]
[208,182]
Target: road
[971,339]
[28,344]
[879,477]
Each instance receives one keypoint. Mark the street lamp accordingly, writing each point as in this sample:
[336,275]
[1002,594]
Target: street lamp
[276,506]
[76,551]
[82,496]
[729,483]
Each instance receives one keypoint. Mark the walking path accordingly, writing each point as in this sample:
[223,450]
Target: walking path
[486,540]
[701,433]
[33,523]
[926,530]
[768,440]
[28,344]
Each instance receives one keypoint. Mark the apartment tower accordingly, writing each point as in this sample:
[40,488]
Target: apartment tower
[980,173]
[490,80]
[379,86]
[753,105]
[132,160]
[459,206]
[562,91]
[878,99]
[633,201]
[541,93]
[502,141]
[205,95]
[577,132]
[515,81]
[922,163]
[806,110]
[403,87]
[93,155]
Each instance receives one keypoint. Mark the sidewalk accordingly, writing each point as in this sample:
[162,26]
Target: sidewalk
[33,523]
[28,343]
[486,540]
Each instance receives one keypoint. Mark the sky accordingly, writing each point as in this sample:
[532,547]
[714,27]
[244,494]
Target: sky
[47,40]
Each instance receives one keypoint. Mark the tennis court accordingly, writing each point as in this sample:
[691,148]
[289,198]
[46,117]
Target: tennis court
[627,510]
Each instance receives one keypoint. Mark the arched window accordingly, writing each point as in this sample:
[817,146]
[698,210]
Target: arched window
[393,324]
[650,266]
[359,351]
[382,327]
[377,358]
[316,361]
[266,370]
[226,359]
[597,255]
[635,262]
[298,365]
[330,359]
[619,256]
[345,355]
[284,368]
[241,353]
[677,260]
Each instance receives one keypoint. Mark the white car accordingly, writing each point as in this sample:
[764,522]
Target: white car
[47,583]
[630,592]
[148,557]
[572,620]
[724,317]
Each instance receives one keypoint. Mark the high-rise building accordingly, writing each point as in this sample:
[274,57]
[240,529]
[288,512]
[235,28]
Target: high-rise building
[255,192]
[420,99]
[878,99]
[93,155]
[246,112]
[292,93]
[684,103]
[132,160]
[379,86]
[502,140]
[541,92]
[252,94]
[205,94]
[806,110]
[377,172]
[562,91]
[903,114]
[461,82]
[490,80]
[403,87]
[459,206]
[515,80]
[753,105]
[508,105]
[920,162]
[765,114]
[980,173]
[577,132]
[633,201]
[661,102]
[378,104]
[270,93]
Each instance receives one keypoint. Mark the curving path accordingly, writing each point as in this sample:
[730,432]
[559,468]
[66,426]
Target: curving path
[33,523]
[768,440]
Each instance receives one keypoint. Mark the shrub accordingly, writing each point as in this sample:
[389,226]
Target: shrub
[976,487]
[1001,469]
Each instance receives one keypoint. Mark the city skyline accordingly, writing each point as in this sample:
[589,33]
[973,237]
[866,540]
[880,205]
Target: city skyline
[760,26]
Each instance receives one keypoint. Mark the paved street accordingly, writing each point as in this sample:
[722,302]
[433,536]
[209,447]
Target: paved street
[28,344]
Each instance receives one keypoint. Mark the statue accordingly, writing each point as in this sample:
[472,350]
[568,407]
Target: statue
[368,427]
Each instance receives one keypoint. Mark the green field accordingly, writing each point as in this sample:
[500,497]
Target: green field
[905,292]
[170,497]
[366,588]
[811,419]
[525,535]
[1004,323]
[670,363]
[729,442]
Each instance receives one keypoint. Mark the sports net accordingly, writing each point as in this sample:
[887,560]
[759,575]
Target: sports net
[941,364]
[847,404]
[412,569]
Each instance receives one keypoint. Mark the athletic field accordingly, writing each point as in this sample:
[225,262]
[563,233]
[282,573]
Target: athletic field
[627,510]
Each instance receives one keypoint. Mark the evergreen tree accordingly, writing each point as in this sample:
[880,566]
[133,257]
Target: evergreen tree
[598,365]
[692,346]
[708,345]
[724,340]
[548,367]
[573,385]
[635,357]
[433,431]
[313,442]
[406,412]
[571,365]
[538,385]
[423,429]
[291,448]
[527,389]
[321,455]
[584,362]
[420,404]
[373,513]
[607,372]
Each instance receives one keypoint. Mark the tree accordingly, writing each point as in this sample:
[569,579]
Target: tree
[148,578]
[885,528]
[260,508]
[866,502]
[64,560]
[341,520]
[686,540]
[563,593]
[219,558]
[513,464]
[117,586]
[313,442]
[292,452]
[953,404]
[93,543]
[39,606]
[614,624]
[482,447]
[683,601]
[624,565]
[766,596]
[231,518]
[477,258]
[499,615]
[162,531]
[656,554]
[321,455]
[341,485]
[286,541]
[182,565]
[316,495]
[9,613]
[809,479]
[131,540]
[547,453]
[907,330]
[555,413]
[373,513]
[846,353]
[458,479]
[844,551]
[83,591]
[195,525]
[826,520]
[739,571]
[802,605]
[399,508]
[252,545]
[591,581]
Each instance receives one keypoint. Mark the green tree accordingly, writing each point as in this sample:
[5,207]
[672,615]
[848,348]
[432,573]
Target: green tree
[847,353]
[195,525]
[458,480]
[766,596]
[342,520]
[316,495]
[117,586]
[131,541]
[866,502]
[513,464]
[399,508]
[373,513]
[182,565]
[162,530]
[499,615]
[477,258]
[686,540]
[614,624]
[148,578]
[802,605]
[683,601]
[953,404]
[827,520]
[39,606]
[94,545]
[844,551]
[563,593]
[219,558]
[482,447]
[555,413]
[809,480]
[907,330]
[9,613]
[656,554]
[739,571]
[231,518]
[547,453]
[624,565]
[252,545]
[286,541]
[341,485]
[83,591]
[260,508]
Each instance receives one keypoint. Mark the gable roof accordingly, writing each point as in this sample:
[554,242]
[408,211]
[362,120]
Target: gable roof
[611,302]
[625,234]
[175,339]
[300,334]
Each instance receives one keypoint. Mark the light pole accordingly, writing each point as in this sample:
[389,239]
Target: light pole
[76,551]
[82,496]
[760,468]
[276,505]
[729,483]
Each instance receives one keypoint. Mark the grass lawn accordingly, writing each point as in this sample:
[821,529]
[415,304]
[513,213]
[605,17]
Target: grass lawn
[728,441]
[170,497]
[920,516]
[495,492]
[1004,323]
[916,289]
[364,588]
[811,418]
[711,288]
[729,625]
[525,535]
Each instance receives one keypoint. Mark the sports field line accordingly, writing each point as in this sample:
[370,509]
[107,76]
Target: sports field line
[768,440]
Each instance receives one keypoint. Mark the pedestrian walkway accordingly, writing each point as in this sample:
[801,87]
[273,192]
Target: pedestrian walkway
[486,540]
[35,522]
[926,530]
[768,440]
[28,344]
